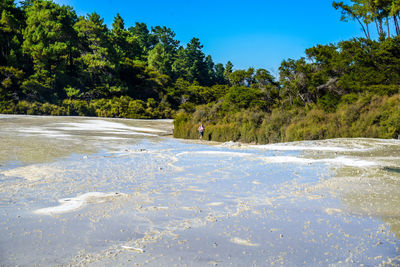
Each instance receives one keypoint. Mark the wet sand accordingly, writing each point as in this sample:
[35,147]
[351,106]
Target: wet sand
[109,192]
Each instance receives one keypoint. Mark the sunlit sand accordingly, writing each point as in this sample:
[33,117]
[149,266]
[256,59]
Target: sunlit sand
[109,192]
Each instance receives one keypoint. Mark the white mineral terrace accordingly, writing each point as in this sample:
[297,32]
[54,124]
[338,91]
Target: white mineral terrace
[81,191]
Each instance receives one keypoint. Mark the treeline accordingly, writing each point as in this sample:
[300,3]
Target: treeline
[50,55]
[53,62]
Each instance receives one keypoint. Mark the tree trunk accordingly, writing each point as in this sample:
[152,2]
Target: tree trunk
[362,26]
[388,28]
[396,24]
[368,36]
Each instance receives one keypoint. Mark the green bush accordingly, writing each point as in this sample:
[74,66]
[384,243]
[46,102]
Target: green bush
[53,110]
[222,132]
[7,107]
[356,116]
[75,107]
[184,127]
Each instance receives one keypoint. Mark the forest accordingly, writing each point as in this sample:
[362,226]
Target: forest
[53,62]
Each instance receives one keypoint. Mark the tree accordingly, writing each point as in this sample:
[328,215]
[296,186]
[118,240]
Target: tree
[166,37]
[97,55]
[371,11]
[219,74]
[50,40]
[263,77]
[242,77]
[351,12]
[239,98]
[140,81]
[166,49]
[211,75]
[179,67]
[249,78]
[228,70]
[26,3]
[191,64]
[238,78]
[125,43]
[11,25]
[382,11]
[296,82]
[159,60]
[196,62]
[118,26]
[10,83]
[146,40]
[394,12]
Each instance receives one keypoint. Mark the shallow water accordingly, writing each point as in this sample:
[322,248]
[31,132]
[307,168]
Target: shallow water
[103,192]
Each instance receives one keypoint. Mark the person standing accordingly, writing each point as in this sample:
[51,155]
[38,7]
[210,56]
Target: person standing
[201,130]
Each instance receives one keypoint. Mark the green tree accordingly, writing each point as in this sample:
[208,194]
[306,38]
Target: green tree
[211,74]
[10,83]
[166,50]
[11,25]
[354,12]
[219,74]
[195,62]
[263,77]
[249,78]
[238,78]
[50,40]
[228,70]
[394,12]
[97,56]
[160,60]
[191,64]
[125,43]
[141,81]
[166,37]
[118,26]
[240,97]
[146,40]
[294,78]
[371,11]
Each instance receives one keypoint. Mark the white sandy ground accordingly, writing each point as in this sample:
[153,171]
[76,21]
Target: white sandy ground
[105,126]
[243,242]
[216,153]
[38,171]
[345,161]
[329,145]
[66,130]
[194,204]
[44,132]
[72,204]
[288,147]
[34,172]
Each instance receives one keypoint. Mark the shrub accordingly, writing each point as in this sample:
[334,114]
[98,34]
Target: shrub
[77,108]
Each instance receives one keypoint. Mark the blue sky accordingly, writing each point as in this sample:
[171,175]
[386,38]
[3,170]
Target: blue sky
[252,33]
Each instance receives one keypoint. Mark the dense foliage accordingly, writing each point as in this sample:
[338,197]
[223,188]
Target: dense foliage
[53,62]
[50,59]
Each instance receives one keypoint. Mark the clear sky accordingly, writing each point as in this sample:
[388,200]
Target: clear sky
[252,33]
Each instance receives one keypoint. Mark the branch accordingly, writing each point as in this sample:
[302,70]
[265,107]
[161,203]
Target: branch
[347,11]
